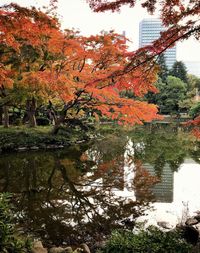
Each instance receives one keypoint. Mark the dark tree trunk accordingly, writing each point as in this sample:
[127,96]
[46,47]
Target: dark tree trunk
[6,116]
[60,120]
[51,113]
[31,110]
[58,123]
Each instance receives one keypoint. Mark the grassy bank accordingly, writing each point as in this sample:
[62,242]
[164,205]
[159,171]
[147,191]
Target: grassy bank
[20,138]
[23,138]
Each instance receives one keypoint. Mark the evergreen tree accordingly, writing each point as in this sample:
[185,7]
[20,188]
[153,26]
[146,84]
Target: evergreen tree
[179,70]
[163,72]
[171,94]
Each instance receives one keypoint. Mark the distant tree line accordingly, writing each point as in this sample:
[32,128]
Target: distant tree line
[178,90]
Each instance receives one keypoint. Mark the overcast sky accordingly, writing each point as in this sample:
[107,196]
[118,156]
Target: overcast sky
[77,14]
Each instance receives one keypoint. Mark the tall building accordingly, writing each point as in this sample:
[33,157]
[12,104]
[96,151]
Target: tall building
[149,31]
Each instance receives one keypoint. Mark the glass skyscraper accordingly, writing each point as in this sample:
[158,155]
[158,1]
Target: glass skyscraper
[149,31]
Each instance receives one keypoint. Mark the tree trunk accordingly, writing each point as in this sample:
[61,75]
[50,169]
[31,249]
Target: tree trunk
[57,125]
[32,119]
[6,116]
[31,109]
[60,120]
[51,113]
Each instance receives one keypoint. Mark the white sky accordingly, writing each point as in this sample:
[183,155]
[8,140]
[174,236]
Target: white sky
[77,14]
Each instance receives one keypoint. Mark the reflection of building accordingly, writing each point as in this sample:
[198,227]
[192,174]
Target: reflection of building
[149,31]
[193,67]
[163,191]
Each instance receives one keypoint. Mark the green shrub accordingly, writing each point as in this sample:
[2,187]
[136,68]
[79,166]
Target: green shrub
[151,240]
[195,110]
[9,241]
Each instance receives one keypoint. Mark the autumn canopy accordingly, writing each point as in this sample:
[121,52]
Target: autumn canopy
[73,76]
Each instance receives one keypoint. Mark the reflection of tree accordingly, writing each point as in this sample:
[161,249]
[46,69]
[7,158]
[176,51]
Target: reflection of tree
[66,201]
[143,181]
[77,193]
[159,165]
[159,147]
[195,151]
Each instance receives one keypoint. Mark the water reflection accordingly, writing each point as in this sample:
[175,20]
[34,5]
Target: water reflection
[185,202]
[163,191]
[63,197]
[88,190]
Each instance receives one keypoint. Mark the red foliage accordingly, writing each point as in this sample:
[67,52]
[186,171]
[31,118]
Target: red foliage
[22,25]
[195,124]
[102,5]
[196,132]
[181,18]
[83,73]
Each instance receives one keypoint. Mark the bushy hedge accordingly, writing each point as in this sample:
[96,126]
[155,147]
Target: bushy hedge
[151,240]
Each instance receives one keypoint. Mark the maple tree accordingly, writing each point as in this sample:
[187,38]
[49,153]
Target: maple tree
[92,88]
[23,36]
[77,74]
[180,17]
[179,13]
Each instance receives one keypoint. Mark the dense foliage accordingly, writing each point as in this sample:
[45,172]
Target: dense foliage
[62,75]
[151,240]
[179,70]
[181,19]
[178,91]
[195,110]
[9,242]
[58,75]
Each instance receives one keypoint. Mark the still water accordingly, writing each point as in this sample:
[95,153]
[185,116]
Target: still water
[83,192]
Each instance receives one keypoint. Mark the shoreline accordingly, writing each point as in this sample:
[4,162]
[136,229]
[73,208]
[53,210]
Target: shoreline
[21,139]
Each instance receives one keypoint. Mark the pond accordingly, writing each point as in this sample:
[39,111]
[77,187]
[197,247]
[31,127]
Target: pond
[83,192]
